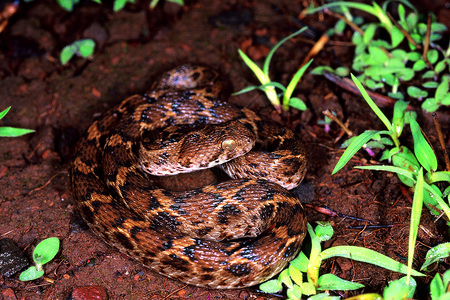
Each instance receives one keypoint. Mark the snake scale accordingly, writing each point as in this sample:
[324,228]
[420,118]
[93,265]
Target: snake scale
[232,234]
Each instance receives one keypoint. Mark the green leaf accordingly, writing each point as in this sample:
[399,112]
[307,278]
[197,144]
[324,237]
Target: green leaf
[396,36]
[441,91]
[13,132]
[414,56]
[301,262]
[354,147]
[399,289]
[435,254]
[297,103]
[294,293]
[31,274]
[440,66]
[67,4]
[296,275]
[430,105]
[415,92]
[433,56]
[291,86]
[422,150]
[430,84]
[324,231]
[46,250]
[419,65]
[3,113]
[334,283]
[415,220]
[398,120]
[271,286]
[368,256]
[86,48]
[369,32]
[372,104]
[437,288]
[405,159]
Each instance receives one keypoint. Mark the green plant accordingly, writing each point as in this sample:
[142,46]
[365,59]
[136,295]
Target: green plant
[395,67]
[44,252]
[84,48]
[293,276]
[409,166]
[117,4]
[268,86]
[6,131]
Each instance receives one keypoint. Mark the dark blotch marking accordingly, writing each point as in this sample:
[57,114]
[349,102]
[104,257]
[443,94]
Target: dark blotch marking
[226,211]
[123,240]
[176,262]
[239,270]
[190,252]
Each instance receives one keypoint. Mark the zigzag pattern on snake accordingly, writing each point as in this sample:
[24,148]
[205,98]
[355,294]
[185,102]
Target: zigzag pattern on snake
[231,234]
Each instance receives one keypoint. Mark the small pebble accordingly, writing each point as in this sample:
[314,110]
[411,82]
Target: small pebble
[93,292]
[8,294]
[12,259]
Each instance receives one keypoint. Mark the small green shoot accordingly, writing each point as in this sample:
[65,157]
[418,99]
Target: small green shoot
[153,3]
[44,252]
[6,131]
[83,48]
[302,275]
[268,86]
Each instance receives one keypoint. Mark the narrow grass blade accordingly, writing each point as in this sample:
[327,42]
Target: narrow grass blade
[3,113]
[291,86]
[367,256]
[357,144]
[372,104]
[13,132]
[272,51]
[416,211]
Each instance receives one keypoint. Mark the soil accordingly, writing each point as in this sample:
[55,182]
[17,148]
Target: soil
[134,46]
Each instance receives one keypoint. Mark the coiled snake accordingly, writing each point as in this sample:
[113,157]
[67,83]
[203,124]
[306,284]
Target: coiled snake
[232,234]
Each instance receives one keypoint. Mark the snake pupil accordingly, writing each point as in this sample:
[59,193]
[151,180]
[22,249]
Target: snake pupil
[229,145]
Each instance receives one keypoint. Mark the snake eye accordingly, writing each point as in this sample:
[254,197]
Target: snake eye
[229,145]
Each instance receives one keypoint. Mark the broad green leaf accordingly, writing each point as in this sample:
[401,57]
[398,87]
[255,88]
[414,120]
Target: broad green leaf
[324,231]
[294,293]
[433,56]
[31,274]
[285,278]
[66,4]
[369,32]
[415,92]
[437,288]
[430,84]
[334,283]
[271,286]
[419,65]
[441,91]
[297,103]
[400,289]
[422,150]
[435,254]
[406,160]
[430,105]
[46,250]
[301,262]
[296,275]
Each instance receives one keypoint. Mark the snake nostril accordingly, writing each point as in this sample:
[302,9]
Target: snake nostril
[229,145]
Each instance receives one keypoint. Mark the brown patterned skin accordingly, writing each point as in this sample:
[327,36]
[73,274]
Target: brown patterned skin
[232,234]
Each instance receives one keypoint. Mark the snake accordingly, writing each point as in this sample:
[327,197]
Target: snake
[231,234]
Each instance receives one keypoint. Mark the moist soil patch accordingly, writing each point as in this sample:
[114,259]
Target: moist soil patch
[133,47]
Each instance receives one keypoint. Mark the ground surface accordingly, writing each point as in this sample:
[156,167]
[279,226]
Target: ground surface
[134,46]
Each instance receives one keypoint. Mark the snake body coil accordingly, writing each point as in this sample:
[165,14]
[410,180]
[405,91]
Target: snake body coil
[232,234]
